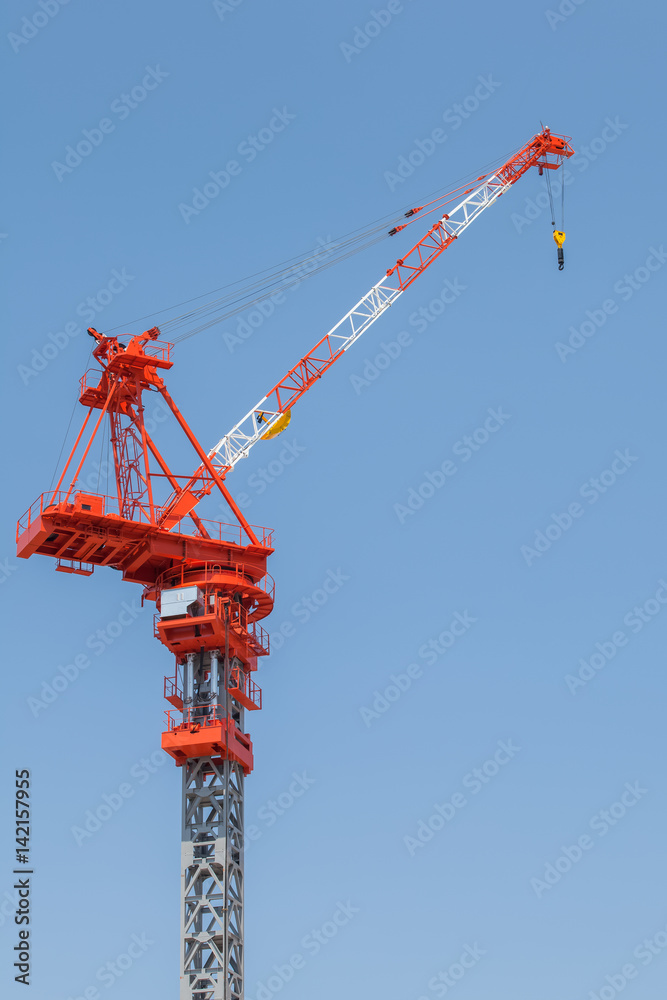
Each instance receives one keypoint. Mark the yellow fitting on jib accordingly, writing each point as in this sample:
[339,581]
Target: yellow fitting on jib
[280,425]
[559,237]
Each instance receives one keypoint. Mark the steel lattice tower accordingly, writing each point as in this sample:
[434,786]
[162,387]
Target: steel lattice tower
[210,691]
[212,844]
[212,880]
[211,589]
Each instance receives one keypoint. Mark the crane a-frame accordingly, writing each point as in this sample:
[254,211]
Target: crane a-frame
[208,579]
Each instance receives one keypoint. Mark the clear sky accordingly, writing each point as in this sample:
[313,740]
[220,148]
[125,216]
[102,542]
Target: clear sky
[541,876]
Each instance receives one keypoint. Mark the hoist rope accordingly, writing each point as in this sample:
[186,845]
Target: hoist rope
[547,173]
[562,200]
[244,293]
[104,439]
[236,302]
[62,446]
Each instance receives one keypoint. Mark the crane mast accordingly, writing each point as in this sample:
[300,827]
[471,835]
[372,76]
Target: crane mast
[210,582]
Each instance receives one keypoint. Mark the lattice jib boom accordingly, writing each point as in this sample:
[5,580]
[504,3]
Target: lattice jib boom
[259,421]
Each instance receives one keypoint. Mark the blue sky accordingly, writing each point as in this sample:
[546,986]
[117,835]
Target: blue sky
[543,549]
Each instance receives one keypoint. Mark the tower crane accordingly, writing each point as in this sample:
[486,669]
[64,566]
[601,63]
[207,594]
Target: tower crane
[209,580]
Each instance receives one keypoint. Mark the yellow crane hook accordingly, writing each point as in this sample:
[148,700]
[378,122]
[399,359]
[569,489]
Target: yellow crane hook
[559,237]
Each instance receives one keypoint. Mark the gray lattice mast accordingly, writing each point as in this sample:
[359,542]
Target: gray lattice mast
[212,846]
[212,881]
[210,691]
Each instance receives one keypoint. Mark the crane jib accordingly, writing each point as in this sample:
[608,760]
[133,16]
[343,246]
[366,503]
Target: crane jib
[238,442]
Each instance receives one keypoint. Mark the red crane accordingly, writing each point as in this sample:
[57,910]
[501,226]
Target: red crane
[209,580]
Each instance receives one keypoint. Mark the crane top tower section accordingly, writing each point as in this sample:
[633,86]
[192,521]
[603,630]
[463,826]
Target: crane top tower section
[128,531]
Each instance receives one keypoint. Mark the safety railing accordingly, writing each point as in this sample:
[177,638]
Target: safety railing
[220,531]
[158,349]
[75,566]
[241,683]
[81,499]
[210,574]
[200,716]
[173,691]
[60,500]
[250,630]
[74,500]
[90,379]
[155,350]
